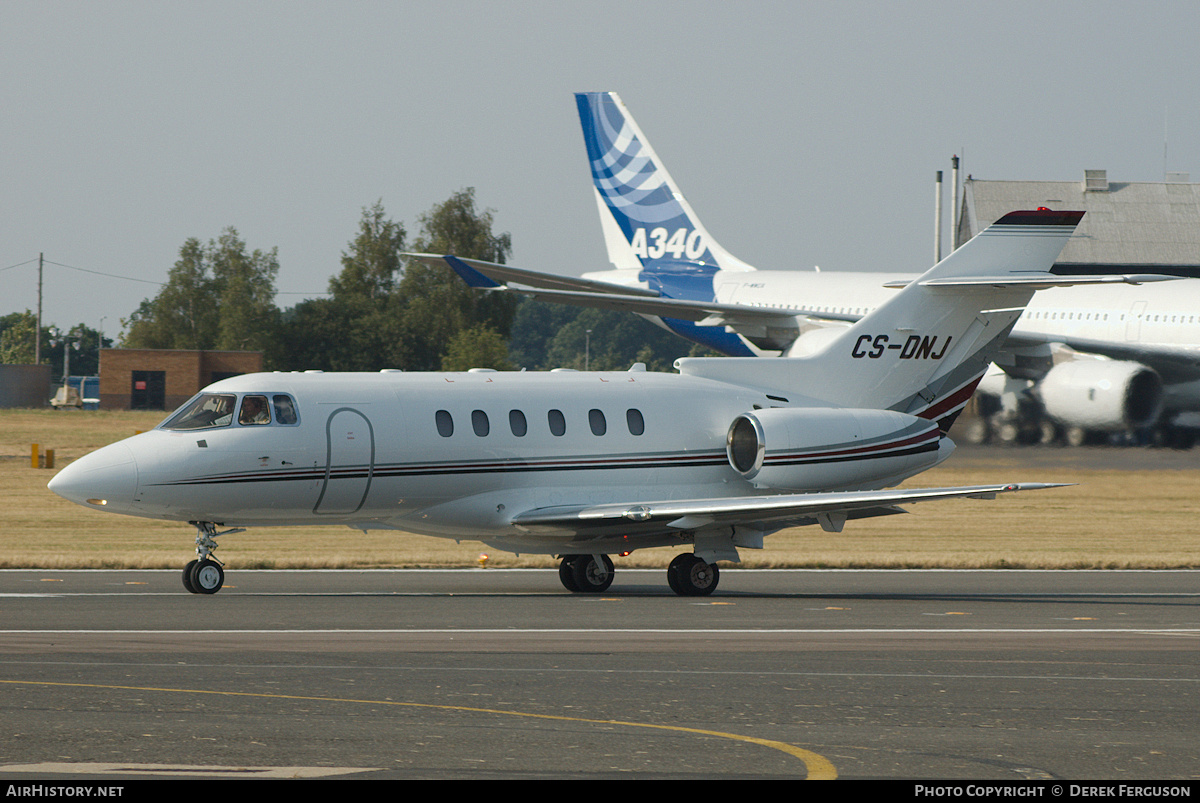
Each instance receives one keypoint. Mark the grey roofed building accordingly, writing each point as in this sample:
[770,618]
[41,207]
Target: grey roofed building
[1130,227]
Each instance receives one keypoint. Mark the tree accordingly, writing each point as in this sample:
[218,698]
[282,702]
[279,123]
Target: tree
[244,285]
[548,336]
[184,313]
[437,303]
[372,266]
[216,297]
[85,344]
[478,347]
[360,327]
[17,338]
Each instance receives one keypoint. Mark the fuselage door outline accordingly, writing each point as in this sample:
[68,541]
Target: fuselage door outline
[355,459]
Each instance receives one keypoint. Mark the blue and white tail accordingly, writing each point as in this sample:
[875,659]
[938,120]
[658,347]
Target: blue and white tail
[647,222]
[924,350]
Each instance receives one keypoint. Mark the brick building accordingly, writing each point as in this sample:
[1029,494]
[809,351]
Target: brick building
[163,379]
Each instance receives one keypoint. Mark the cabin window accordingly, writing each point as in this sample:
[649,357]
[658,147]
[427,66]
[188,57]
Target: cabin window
[558,424]
[206,411]
[445,423]
[254,411]
[479,423]
[285,409]
[597,423]
[517,423]
[637,425]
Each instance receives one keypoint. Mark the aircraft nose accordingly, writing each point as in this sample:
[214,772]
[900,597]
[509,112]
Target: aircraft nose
[106,479]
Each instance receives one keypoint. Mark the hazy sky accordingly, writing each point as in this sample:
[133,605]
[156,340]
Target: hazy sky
[802,133]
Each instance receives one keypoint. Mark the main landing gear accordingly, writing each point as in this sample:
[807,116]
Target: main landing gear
[688,575]
[691,576]
[205,575]
[589,574]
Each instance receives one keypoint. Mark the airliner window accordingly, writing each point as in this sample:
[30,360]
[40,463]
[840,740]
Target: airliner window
[637,425]
[517,423]
[445,423]
[597,423]
[254,411]
[558,424]
[285,409]
[479,422]
[206,411]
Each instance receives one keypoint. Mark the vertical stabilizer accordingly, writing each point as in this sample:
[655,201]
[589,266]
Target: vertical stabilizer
[647,222]
[924,351]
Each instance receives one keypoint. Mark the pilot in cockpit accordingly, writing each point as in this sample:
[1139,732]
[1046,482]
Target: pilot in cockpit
[254,411]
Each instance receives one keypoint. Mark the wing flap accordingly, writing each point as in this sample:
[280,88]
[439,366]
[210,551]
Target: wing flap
[1040,281]
[682,515]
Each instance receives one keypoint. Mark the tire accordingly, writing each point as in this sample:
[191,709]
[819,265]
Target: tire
[207,577]
[689,576]
[566,572]
[187,577]
[591,577]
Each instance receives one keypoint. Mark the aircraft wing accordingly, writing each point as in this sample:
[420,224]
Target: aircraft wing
[706,313]
[603,295]
[829,509]
[489,275]
[1174,363]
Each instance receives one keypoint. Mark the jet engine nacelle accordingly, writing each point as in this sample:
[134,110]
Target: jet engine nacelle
[809,449]
[1103,395]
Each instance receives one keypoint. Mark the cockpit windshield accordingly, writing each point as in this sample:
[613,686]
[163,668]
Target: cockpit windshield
[206,411]
[212,410]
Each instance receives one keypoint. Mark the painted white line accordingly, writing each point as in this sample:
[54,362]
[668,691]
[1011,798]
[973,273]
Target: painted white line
[575,631]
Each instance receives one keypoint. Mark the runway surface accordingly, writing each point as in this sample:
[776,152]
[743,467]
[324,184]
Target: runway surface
[501,674]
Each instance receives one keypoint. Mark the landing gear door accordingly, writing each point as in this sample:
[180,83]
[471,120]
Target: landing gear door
[349,464]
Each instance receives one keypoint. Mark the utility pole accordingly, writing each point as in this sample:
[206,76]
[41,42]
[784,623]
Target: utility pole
[954,243]
[37,329]
[937,220]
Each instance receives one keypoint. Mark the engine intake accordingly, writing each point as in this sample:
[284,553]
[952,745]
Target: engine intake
[810,449]
[1106,395]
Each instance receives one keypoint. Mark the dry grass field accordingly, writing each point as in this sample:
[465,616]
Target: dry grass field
[1131,508]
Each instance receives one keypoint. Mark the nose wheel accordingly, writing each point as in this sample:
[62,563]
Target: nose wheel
[205,575]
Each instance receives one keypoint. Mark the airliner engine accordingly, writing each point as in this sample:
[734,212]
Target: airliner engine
[810,449]
[1105,395]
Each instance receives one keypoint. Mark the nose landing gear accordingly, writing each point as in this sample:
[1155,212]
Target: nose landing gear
[205,575]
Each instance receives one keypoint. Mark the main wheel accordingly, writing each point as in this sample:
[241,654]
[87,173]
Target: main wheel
[590,576]
[207,577]
[566,572]
[690,576]
[187,577]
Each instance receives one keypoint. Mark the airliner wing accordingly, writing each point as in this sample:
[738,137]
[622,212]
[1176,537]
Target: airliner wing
[489,275]
[603,295]
[707,313]
[829,509]
[1174,362]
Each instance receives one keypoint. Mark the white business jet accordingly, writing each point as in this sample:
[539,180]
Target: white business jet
[584,465]
[1102,358]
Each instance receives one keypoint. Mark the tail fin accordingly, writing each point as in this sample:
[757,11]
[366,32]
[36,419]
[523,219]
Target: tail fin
[646,220]
[924,351]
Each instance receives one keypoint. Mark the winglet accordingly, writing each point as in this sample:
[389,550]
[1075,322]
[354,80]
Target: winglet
[472,277]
